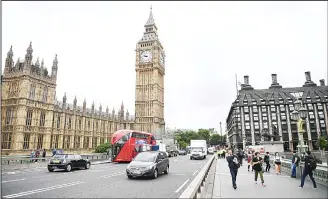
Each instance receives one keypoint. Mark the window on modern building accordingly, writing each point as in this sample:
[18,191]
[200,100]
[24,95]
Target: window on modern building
[282,108]
[272,108]
[256,125]
[291,107]
[246,117]
[247,125]
[273,116]
[246,110]
[255,109]
[264,118]
[264,114]
[321,116]
[265,125]
[256,118]
[264,109]
[310,106]
[311,114]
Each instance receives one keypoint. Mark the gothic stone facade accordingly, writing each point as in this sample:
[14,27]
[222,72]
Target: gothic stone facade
[150,71]
[258,109]
[33,119]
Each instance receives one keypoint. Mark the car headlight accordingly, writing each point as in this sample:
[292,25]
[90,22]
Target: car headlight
[64,161]
[149,167]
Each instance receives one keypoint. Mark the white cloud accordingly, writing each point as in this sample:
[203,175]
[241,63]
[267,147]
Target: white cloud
[206,43]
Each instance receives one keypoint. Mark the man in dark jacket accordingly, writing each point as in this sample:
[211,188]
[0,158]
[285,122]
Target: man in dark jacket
[240,155]
[307,169]
[234,165]
[295,160]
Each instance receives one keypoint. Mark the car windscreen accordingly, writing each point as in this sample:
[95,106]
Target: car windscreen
[145,157]
[59,157]
[197,150]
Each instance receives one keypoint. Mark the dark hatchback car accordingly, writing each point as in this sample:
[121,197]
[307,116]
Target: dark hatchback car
[68,162]
[182,152]
[148,163]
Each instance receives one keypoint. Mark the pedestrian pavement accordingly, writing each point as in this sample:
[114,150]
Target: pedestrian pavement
[277,186]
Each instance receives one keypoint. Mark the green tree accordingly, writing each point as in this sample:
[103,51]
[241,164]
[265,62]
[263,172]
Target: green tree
[215,139]
[323,145]
[103,148]
[205,134]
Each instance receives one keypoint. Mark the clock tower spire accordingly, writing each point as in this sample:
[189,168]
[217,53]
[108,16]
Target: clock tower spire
[150,71]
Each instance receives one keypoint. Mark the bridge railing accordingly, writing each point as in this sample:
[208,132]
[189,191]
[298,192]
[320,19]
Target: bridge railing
[320,174]
[28,160]
[198,185]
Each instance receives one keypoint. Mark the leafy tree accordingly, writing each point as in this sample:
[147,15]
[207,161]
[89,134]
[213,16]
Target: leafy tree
[322,142]
[215,139]
[205,134]
[103,148]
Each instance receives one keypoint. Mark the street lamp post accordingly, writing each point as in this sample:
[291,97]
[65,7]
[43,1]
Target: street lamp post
[299,114]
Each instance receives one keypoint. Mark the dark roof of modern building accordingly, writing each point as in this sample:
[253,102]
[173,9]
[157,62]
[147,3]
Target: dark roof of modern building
[308,94]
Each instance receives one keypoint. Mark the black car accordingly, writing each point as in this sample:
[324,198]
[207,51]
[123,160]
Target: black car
[68,162]
[182,152]
[148,163]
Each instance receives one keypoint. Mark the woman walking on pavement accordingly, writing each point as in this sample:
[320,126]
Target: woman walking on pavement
[257,164]
[277,162]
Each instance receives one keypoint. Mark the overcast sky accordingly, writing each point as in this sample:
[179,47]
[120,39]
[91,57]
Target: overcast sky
[206,43]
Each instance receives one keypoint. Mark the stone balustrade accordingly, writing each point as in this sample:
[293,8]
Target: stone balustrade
[320,174]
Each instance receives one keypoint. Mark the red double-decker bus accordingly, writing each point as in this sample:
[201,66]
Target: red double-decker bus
[126,144]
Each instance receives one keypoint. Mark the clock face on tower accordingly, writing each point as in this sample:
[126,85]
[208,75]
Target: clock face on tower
[161,59]
[145,56]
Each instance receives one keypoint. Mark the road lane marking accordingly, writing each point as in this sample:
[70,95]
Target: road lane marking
[195,172]
[182,186]
[42,190]
[112,175]
[13,180]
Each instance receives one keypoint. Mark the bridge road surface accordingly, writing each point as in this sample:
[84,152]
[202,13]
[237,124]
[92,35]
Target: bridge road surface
[100,181]
[277,186]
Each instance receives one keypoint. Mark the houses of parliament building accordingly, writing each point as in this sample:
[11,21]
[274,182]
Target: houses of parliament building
[32,118]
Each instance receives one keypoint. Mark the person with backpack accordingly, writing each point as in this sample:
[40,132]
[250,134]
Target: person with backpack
[267,162]
[295,161]
[257,165]
[310,165]
[234,165]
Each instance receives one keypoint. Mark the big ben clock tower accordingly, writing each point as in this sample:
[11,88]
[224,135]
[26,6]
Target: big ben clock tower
[150,71]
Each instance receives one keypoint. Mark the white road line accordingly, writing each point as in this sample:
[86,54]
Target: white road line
[195,172]
[113,175]
[182,186]
[13,180]
[42,190]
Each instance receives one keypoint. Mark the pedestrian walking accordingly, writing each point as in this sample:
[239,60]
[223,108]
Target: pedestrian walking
[277,162]
[234,165]
[32,155]
[223,153]
[240,155]
[44,152]
[309,166]
[267,162]
[219,153]
[249,160]
[295,161]
[257,165]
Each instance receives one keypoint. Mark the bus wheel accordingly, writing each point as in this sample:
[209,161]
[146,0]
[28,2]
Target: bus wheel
[155,174]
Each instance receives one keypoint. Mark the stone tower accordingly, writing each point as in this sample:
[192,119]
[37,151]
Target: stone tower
[28,95]
[150,71]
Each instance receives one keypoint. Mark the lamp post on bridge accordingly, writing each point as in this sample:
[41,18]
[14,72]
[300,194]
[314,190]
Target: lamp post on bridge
[300,114]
